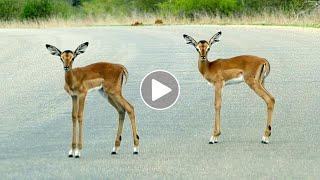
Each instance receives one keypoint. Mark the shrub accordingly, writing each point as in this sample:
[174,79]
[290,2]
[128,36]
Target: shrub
[228,7]
[253,7]
[96,7]
[189,8]
[148,6]
[62,8]
[37,9]
[118,7]
[44,9]
[10,9]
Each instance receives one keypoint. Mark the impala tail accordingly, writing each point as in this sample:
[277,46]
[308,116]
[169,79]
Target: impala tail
[125,75]
[267,68]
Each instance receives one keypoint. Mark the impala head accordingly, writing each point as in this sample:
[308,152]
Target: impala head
[67,57]
[203,46]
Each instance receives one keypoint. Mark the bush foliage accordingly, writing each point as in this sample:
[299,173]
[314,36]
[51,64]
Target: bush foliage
[9,9]
[189,8]
[35,9]
[42,9]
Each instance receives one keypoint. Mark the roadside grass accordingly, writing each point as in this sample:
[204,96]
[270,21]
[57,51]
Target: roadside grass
[268,19]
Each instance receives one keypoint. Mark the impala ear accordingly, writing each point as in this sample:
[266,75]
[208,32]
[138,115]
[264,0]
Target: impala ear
[215,38]
[190,40]
[81,49]
[53,50]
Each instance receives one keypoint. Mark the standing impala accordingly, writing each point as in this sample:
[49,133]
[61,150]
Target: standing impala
[249,69]
[108,78]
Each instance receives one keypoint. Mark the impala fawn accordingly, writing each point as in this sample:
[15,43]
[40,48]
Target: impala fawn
[249,69]
[108,78]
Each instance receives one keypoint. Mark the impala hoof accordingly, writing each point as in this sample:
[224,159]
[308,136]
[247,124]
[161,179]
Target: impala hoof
[77,153]
[265,140]
[114,150]
[213,140]
[135,150]
[71,153]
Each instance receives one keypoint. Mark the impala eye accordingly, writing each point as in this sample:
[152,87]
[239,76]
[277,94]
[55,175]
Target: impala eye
[197,49]
[208,49]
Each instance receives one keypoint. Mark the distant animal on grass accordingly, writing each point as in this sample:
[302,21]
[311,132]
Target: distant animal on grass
[158,21]
[108,78]
[137,23]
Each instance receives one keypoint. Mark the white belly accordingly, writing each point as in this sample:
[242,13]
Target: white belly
[236,80]
[96,88]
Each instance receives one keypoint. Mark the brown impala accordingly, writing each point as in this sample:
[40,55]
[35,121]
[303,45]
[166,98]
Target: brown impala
[108,78]
[249,69]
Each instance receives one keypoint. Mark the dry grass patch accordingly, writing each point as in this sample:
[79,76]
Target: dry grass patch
[311,20]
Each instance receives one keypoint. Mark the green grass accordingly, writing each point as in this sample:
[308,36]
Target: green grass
[115,12]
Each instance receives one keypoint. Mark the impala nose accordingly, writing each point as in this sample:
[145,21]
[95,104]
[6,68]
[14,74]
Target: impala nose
[66,68]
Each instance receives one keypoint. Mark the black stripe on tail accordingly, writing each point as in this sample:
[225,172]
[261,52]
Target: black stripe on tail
[261,77]
[124,75]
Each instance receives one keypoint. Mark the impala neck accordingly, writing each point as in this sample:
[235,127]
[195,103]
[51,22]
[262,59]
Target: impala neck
[68,76]
[203,65]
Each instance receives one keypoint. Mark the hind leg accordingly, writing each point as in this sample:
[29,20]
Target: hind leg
[270,101]
[122,114]
[270,107]
[130,110]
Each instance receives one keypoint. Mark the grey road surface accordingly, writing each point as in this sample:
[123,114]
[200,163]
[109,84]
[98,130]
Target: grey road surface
[35,129]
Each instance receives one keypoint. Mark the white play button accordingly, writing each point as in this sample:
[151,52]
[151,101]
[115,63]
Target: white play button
[159,89]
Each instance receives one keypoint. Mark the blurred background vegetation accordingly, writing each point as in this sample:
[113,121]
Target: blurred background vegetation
[21,10]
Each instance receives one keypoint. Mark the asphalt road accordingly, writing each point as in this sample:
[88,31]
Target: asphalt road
[35,129]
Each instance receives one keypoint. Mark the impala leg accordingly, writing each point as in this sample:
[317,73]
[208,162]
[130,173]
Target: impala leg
[130,110]
[82,99]
[270,107]
[122,114]
[217,105]
[74,125]
[270,101]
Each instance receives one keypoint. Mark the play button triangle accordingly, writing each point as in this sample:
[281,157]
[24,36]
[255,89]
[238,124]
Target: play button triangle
[159,89]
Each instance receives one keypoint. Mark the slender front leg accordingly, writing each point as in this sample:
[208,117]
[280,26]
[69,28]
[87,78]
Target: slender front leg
[217,105]
[82,99]
[74,125]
